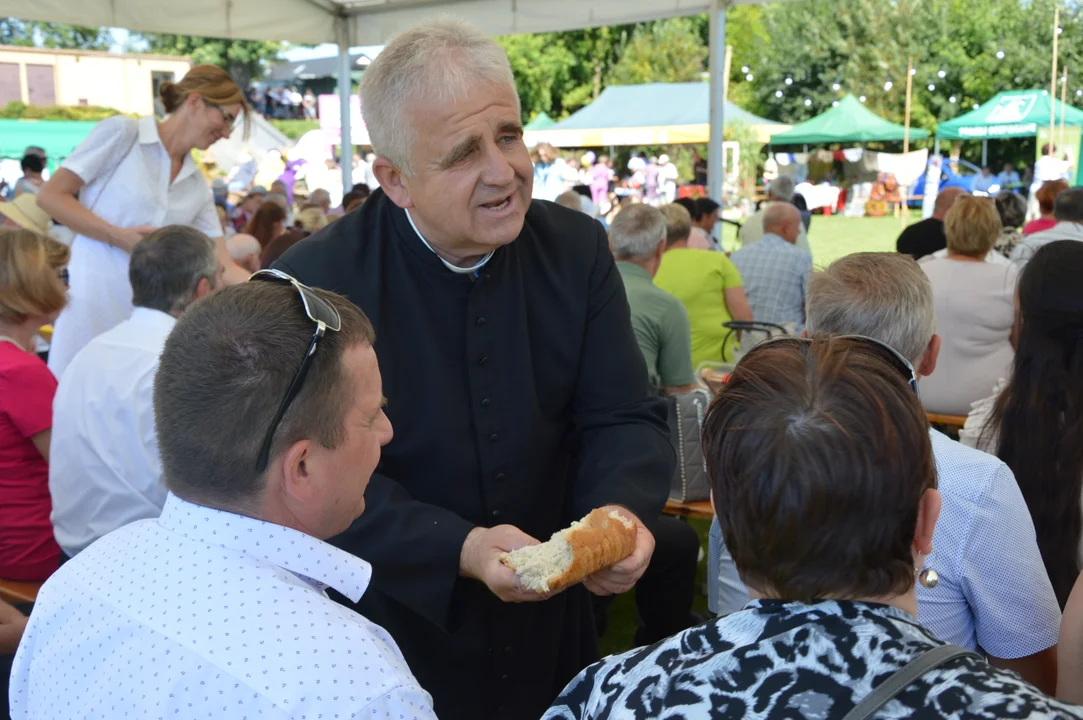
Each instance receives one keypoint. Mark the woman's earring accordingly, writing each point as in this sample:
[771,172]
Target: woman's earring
[928,577]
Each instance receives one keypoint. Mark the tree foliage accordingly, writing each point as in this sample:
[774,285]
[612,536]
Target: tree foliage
[665,51]
[244,60]
[53,35]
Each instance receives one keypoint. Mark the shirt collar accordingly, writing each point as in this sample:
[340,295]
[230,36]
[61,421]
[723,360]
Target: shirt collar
[315,562]
[148,135]
[453,268]
[627,268]
[153,319]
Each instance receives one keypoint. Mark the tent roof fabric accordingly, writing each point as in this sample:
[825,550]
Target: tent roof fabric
[541,122]
[649,114]
[1009,114]
[57,137]
[368,22]
[850,121]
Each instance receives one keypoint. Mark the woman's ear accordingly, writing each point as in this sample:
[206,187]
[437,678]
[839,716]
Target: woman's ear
[928,512]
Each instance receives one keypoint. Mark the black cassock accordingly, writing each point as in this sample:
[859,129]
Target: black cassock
[518,396]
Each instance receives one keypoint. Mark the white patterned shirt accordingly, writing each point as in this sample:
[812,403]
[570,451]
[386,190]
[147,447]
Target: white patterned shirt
[207,614]
[994,592]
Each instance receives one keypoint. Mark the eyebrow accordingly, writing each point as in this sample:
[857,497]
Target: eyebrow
[510,127]
[460,151]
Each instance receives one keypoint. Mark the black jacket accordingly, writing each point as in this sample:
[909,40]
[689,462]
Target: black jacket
[519,397]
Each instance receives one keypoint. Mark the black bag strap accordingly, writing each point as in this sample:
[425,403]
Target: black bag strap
[886,691]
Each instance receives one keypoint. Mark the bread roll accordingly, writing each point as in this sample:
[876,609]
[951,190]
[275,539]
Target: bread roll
[598,541]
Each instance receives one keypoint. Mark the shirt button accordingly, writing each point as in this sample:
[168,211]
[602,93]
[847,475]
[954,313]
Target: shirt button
[480,321]
[482,360]
[499,477]
[486,402]
[494,437]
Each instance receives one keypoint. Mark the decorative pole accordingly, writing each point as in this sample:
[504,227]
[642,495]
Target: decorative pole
[905,185]
[1053,84]
[1063,103]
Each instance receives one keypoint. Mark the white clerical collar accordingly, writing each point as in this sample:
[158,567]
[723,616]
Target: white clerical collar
[453,268]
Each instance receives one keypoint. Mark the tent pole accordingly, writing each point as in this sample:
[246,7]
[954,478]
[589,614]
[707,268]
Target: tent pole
[985,152]
[1053,82]
[1063,102]
[718,102]
[904,211]
[345,154]
[936,145]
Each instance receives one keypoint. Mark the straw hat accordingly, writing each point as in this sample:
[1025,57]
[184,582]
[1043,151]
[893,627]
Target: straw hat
[24,212]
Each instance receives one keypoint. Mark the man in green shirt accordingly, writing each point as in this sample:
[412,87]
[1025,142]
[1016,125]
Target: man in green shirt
[638,239]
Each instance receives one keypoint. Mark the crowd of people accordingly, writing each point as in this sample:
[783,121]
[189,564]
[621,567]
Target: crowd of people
[279,447]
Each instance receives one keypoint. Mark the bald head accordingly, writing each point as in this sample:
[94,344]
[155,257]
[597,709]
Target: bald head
[245,250]
[945,199]
[782,219]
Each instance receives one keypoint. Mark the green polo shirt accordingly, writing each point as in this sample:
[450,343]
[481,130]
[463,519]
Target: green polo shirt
[661,326]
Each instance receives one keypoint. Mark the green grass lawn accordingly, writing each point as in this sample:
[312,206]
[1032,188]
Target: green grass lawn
[833,237]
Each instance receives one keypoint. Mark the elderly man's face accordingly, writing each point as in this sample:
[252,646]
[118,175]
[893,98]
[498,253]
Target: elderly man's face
[472,173]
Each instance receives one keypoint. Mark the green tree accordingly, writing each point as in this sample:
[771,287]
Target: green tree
[53,35]
[664,51]
[244,60]
[541,67]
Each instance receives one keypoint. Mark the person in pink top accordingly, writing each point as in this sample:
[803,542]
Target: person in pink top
[601,174]
[33,290]
[1046,196]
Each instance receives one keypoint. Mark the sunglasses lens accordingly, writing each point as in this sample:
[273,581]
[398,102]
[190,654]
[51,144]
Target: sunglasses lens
[319,310]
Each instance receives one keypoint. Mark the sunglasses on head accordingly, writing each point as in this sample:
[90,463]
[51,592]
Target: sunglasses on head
[326,317]
[905,367]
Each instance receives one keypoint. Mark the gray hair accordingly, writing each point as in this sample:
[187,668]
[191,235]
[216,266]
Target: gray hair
[319,197]
[436,62]
[636,232]
[1012,209]
[782,188]
[885,296]
[1068,207]
[280,200]
[570,199]
[167,265]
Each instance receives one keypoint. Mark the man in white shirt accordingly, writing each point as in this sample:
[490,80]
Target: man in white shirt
[780,191]
[994,592]
[1068,212]
[269,409]
[103,468]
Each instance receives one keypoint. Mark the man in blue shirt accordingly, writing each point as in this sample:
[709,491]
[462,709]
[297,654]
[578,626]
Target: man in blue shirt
[775,271]
[986,181]
[1009,178]
[994,592]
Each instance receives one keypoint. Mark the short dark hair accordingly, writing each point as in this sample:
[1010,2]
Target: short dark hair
[688,204]
[819,453]
[1068,207]
[33,163]
[222,374]
[706,206]
[1012,209]
[167,265]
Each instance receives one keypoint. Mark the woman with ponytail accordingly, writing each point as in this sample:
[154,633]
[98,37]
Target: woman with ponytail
[1035,423]
[126,179]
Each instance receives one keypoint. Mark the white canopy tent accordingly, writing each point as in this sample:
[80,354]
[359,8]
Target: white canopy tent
[371,22]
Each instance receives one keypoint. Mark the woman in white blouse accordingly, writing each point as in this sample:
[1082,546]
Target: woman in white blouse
[126,179]
[974,309]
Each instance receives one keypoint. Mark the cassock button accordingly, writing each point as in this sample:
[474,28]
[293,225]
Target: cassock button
[507,648]
[480,321]
[499,477]
[486,402]
[482,360]
[494,437]
[496,514]
[505,678]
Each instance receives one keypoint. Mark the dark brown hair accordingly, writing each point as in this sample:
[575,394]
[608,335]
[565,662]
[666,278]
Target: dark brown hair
[223,372]
[818,454]
[29,284]
[262,224]
[278,247]
[1038,419]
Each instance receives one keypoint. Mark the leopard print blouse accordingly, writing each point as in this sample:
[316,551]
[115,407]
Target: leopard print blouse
[776,659]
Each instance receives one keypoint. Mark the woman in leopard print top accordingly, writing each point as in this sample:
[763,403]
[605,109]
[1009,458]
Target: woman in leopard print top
[825,487]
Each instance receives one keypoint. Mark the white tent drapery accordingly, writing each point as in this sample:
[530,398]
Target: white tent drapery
[372,22]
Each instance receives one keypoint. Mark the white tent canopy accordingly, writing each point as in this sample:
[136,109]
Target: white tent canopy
[372,22]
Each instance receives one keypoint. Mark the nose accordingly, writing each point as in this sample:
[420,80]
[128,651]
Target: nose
[386,432]
[496,171]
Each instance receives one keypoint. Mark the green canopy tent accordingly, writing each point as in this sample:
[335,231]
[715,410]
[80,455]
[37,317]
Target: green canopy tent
[57,137]
[541,122]
[849,122]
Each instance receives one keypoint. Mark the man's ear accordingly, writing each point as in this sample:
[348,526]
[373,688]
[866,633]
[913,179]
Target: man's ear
[203,289]
[392,182]
[299,482]
[928,360]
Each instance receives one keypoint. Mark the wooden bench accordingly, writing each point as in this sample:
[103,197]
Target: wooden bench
[15,591]
[951,422]
[701,510]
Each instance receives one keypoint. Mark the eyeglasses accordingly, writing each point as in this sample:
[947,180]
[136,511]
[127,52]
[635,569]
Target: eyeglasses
[64,277]
[903,365]
[326,318]
[229,117]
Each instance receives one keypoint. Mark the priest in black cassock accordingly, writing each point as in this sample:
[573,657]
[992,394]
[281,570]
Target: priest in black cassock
[515,386]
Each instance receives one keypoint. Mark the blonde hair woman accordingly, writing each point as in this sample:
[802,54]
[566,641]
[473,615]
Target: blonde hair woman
[974,301]
[126,179]
[33,284]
